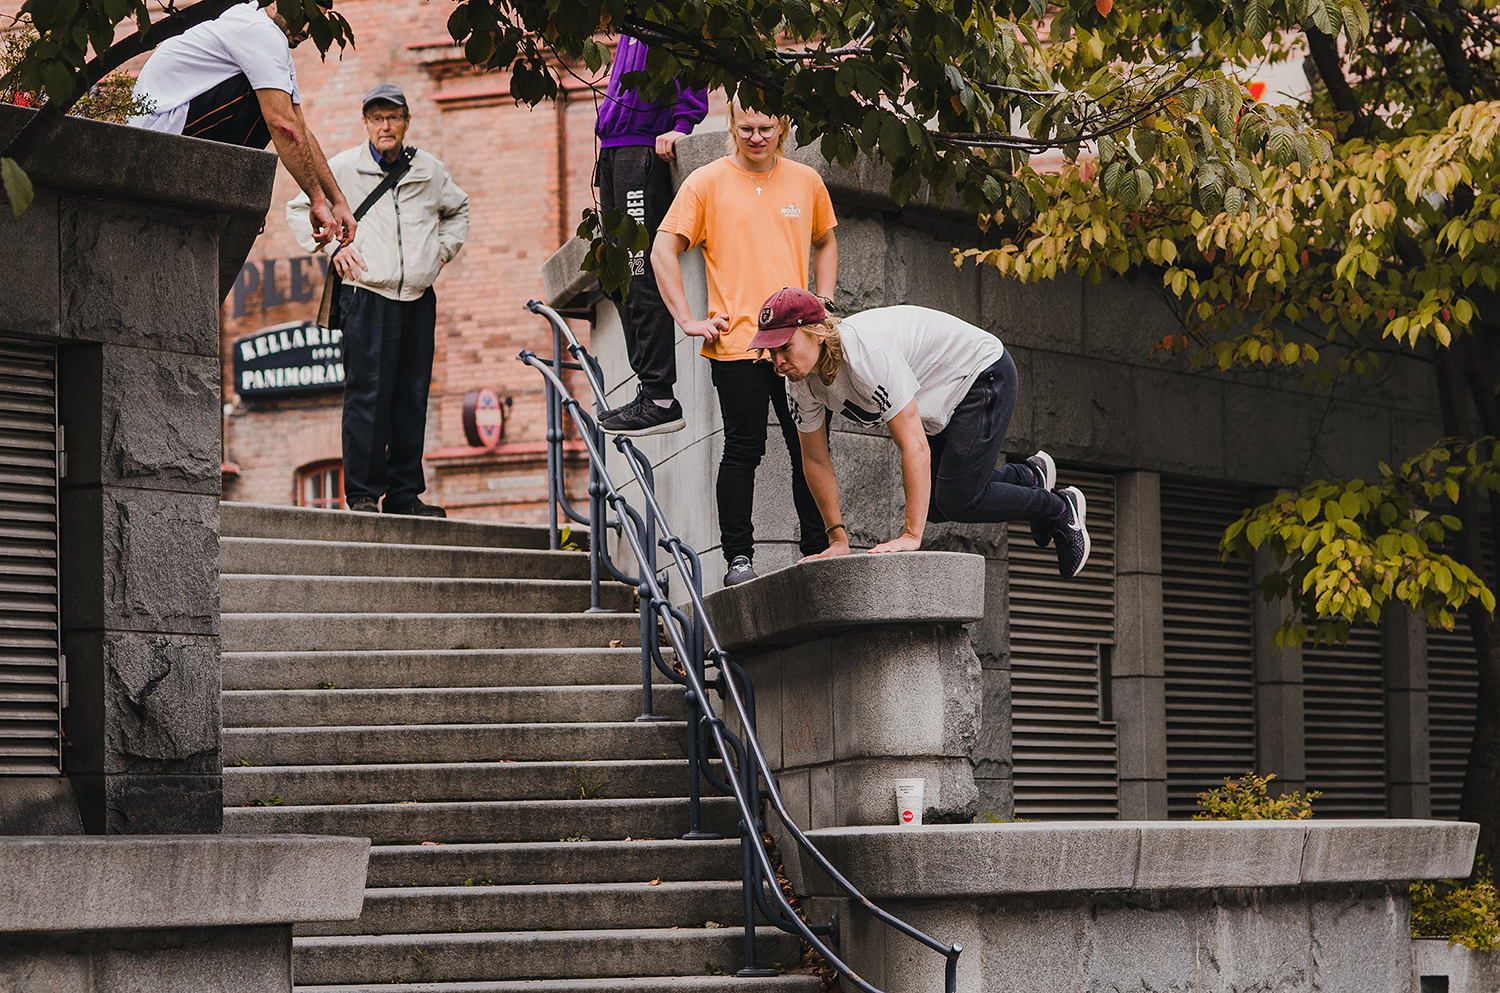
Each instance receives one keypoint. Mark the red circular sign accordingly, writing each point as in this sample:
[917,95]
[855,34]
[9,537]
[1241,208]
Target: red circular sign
[906,816]
[484,419]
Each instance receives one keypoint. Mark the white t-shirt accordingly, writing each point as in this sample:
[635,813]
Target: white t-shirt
[243,39]
[892,356]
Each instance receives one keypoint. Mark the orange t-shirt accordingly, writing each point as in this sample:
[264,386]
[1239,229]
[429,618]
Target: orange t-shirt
[753,244]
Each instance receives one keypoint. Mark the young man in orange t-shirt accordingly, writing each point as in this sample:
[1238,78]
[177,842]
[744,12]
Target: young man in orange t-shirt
[760,218]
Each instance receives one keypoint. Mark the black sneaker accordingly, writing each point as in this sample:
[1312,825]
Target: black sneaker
[1046,477]
[416,509]
[365,506]
[642,416]
[740,571]
[1071,535]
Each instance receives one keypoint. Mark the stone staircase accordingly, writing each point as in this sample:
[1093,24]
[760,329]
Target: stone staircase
[436,687]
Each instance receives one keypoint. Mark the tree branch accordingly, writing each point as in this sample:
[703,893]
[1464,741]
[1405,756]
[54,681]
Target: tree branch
[1324,49]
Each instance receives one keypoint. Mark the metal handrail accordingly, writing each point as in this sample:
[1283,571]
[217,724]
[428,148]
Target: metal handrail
[689,635]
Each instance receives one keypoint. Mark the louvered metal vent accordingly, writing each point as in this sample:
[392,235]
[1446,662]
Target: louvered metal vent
[1066,758]
[1452,683]
[1210,657]
[1344,706]
[31,683]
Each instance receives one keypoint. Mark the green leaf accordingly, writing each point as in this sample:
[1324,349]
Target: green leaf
[17,186]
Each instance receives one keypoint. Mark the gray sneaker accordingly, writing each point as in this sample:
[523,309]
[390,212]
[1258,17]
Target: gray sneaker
[740,571]
[1046,477]
[1070,533]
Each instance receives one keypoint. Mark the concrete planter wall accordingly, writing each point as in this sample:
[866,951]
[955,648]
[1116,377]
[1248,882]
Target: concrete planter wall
[1445,968]
[170,914]
[1207,907]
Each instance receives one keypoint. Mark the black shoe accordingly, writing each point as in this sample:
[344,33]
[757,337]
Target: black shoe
[642,416]
[740,571]
[1046,477]
[416,509]
[365,506]
[1071,535]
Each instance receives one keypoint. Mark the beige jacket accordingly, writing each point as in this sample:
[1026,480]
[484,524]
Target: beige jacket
[408,235]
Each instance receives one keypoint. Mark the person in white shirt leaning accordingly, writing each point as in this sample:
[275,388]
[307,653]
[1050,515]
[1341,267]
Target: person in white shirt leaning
[945,390]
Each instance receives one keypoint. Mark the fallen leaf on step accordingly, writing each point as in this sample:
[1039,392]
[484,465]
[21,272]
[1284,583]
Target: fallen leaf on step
[712,924]
[617,643]
[432,842]
[406,801]
[655,882]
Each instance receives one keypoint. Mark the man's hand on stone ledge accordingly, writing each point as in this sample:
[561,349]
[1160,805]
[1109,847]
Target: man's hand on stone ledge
[905,543]
[833,551]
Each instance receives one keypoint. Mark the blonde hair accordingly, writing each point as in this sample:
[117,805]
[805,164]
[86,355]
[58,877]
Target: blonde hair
[736,108]
[832,359]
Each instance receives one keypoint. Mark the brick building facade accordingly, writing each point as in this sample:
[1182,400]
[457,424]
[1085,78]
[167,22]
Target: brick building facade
[528,173]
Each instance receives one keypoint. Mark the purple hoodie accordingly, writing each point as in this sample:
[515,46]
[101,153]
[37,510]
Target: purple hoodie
[626,119]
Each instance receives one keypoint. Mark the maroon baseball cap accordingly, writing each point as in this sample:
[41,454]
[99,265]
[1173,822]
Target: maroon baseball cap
[783,313]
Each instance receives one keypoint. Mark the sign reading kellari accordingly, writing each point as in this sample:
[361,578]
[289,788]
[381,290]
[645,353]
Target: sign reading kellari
[289,357]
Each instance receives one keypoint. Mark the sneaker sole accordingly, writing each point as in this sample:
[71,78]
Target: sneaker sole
[1040,534]
[1081,509]
[666,427]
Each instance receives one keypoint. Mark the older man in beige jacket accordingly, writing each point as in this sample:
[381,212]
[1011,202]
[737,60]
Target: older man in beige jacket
[388,306]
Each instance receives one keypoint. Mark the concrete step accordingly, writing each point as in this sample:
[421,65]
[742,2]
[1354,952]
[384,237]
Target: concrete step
[414,595]
[459,963]
[323,784]
[713,983]
[289,556]
[467,705]
[381,744]
[489,821]
[304,632]
[553,862]
[478,667]
[543,907]
[248,520]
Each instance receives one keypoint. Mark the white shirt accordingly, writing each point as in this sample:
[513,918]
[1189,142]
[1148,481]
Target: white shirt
[243,39]
[892,356]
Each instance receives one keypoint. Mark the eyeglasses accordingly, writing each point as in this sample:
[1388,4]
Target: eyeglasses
[746,132]
[381,119]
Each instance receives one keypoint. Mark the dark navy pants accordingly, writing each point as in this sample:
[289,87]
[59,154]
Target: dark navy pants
[388,347]
[967,485]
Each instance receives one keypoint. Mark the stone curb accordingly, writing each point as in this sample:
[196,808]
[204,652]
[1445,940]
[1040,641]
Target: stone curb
[972,860]
[99,883]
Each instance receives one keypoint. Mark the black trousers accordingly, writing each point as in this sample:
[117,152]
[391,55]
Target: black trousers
[967,485]
[636,180]
[744,388]
[388,346]
[229,113]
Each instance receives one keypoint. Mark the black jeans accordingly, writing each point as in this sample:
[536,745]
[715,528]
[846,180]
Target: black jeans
[388,347]
[744,387]
[967,485]
[636,180]
[230,112]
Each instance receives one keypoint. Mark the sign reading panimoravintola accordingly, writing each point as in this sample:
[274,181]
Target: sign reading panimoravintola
[289,357]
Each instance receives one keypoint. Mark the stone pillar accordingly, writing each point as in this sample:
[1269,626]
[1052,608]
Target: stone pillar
[863,674]
[1408,758]
[1280,735]
[1138,678]
[120,262]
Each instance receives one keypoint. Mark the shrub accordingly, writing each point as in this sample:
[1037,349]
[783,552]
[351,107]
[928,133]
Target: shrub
[1465,915]
[112,98]
[1247,800]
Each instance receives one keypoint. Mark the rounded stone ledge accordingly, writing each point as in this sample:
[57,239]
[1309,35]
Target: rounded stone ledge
[120,882]
[826,595]
[974,860]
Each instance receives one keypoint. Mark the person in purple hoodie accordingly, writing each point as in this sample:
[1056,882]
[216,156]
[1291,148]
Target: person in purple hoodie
[634,173]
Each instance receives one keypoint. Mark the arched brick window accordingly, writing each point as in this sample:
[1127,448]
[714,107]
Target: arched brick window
[321,484]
